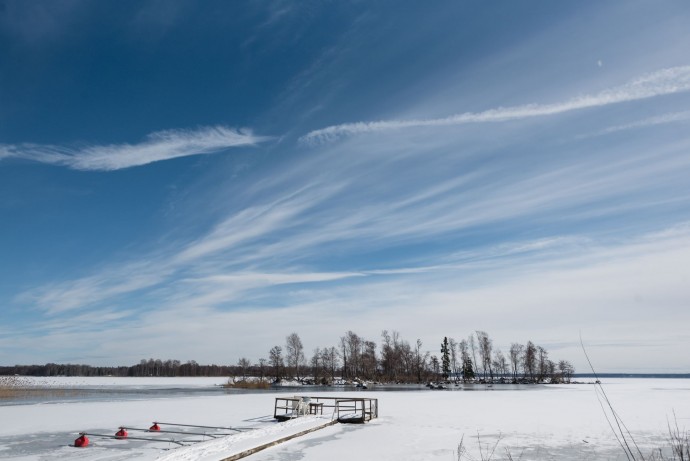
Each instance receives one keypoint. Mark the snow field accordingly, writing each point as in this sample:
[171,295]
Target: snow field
[563,422]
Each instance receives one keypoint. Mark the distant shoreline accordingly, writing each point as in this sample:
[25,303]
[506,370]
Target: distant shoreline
[634,375]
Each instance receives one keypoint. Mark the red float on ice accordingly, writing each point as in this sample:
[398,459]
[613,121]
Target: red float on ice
[82,441]
[121,434]
[155,427]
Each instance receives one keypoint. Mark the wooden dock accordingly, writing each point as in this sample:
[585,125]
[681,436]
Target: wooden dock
[273,443]
[344,409]
[303,415]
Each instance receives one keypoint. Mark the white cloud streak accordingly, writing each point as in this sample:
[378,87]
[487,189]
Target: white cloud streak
[158,146]
[92,290]
[651,121]
[256,221]
[663,82]
[223,247]
[277,279]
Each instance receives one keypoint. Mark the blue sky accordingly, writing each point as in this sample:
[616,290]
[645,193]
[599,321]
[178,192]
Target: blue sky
[198,180]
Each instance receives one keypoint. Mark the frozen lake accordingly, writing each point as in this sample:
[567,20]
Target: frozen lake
[563,422]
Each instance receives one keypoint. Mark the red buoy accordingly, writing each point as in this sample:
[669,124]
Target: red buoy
[82,441]
[121,434]
[155,427]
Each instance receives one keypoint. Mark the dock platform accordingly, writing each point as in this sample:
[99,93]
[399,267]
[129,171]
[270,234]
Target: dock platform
[344,409]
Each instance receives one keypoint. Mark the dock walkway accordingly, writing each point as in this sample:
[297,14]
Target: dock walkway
[241,445]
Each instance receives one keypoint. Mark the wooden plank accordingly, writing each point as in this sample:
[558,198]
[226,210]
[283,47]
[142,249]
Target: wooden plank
[251,451]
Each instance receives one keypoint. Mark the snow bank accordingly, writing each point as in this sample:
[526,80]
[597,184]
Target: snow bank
[110,381]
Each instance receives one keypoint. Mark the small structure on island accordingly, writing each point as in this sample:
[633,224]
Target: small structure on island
[344,410]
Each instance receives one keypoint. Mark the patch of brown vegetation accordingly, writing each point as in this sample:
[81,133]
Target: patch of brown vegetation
[246,384]
[18,387]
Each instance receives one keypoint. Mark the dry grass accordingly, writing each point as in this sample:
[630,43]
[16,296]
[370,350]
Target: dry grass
[676,448]
[247,384]
[20,388]
[679,440]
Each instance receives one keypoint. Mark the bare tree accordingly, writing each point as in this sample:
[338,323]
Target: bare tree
[275,359]
[420,360]
[343,353]
[406,360]
[464,352]
[352,353]
[317,365]
[529,360]
[466,367]
[566,369]
[151,367]
[551,368]
[400,362]
[294,354]
[435,368]
[262,369]
[244,365]
[389,355]
[516,354]
[329,360]
[485,347]
[542,363]
[500,363]
[369,360]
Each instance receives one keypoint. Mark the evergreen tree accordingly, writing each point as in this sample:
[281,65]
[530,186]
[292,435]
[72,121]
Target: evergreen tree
[467,371]
[445,358]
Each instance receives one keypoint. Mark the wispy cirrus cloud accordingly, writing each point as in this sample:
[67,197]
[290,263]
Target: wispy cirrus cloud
[280,238]
[664,119]
[213,267]
[277,278]
[627,281]
[659,83]
[92,290]
[158,146]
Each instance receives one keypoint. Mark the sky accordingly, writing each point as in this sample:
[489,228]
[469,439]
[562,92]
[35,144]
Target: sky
[197,180]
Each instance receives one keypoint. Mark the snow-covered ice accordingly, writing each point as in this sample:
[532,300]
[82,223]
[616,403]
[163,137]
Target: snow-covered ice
[563,422]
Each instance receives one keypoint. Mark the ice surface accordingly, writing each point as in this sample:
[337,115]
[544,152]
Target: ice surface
[563,422]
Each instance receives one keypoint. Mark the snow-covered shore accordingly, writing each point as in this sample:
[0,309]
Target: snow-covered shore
[545,422]
[110,381]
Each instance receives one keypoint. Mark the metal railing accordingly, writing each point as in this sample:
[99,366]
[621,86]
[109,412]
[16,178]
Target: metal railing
[353,410]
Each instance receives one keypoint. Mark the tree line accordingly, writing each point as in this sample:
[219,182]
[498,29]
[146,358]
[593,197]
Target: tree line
[150,367]
[354,358]
[399,361]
